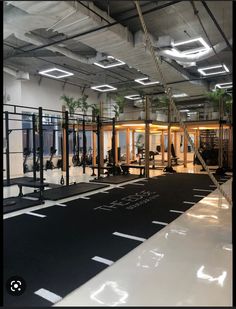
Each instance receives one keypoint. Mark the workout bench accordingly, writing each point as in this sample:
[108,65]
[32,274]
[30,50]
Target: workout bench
[107,168]
[32,184]
[125,169]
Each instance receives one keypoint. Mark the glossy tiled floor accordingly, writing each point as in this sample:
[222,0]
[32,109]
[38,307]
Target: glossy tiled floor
[187,263]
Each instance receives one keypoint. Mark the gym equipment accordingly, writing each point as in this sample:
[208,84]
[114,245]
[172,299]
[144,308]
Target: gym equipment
[49,163]
[36,166]
[26,153]
[174,158]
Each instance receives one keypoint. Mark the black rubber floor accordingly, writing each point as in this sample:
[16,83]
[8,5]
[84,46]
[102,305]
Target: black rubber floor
[116,179]
[21,203]
[68,191]
[13,181]
[55,252]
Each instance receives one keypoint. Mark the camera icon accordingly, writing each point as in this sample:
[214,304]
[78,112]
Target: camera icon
[15,286]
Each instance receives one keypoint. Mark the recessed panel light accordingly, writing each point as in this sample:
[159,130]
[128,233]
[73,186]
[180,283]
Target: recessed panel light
[204,46]
[103,88]
[184,110]
[179,95]
[222,69]
[148,82]
[109,62]
[133,97]
[55,73]
[224,85]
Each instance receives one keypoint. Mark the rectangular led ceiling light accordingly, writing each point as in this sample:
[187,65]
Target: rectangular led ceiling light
[192,50]
[184,110]
[109,62]
[179,95]
[55,73]
[103,88]
[148,82]
[223,68]
[133,97]
[224,85]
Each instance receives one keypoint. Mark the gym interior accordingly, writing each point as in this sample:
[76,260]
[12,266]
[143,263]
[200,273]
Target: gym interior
[117,153]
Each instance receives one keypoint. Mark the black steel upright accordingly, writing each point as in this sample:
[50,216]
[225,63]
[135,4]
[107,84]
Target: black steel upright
[7,148]
[113,144]
[84,147]
[41,144]
[98,147]
[67,148]
[34,146]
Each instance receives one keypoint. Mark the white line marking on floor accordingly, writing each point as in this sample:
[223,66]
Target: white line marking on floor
[63,205]
[34,214]
[202,190]
[186,202]
[30,198]
[129,236]
[50,296]
[102,260]
[158,222]
[84,197]
[177,211]
[137,184]
[119,187]
[105,192]
[196,195]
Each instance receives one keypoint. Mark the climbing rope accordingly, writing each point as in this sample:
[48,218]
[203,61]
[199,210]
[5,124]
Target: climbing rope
[168,91]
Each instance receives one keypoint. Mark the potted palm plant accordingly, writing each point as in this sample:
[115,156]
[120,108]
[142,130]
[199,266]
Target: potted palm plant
[118,107]
[70,103]
[217,96]
[95,111]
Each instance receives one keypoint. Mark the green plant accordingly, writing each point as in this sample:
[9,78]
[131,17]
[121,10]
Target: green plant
[95,110]
[83,103]
[71,103]
[215,96]
[116,110]
[118,107]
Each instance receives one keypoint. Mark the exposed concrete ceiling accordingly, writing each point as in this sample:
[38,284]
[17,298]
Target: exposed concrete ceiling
[31,24]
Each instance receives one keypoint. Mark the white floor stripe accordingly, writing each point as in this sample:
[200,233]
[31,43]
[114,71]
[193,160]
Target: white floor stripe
[119,187]
[84,197]
[186,202]
[128,236]
[106,192]
[63,205]
[102,260]
[137,184]
[177,211]
[50,296]
[196,195]
[34,214]
[158,222]
[202,190]
[30,198]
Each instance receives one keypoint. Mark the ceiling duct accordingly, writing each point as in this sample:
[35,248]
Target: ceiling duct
[37,40]
[190,59]
[19,75]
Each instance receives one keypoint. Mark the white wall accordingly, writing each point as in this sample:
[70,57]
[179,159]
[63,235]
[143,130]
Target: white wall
[31,93]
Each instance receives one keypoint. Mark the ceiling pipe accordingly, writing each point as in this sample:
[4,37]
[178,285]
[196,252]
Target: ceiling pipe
[36,40]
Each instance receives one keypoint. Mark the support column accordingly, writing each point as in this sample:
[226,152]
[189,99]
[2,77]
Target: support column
[133,149]
[63,140]
[175,142]
[116,148]
[41,143]
[127,145]
[230,147]
[162,148]
[7,148]
[147,134]
[94,141]
[101,145]
[67,148]
[185,150]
